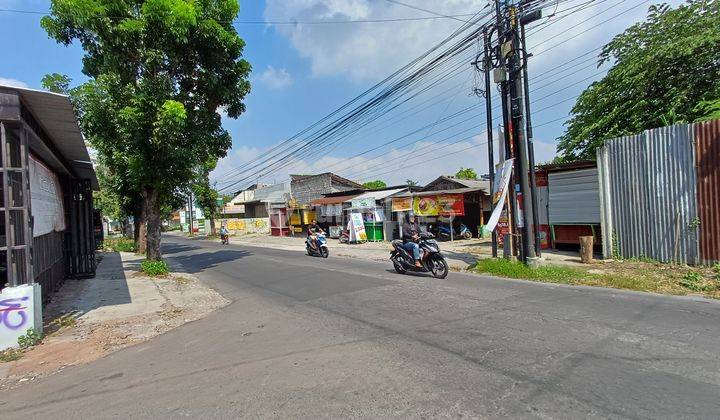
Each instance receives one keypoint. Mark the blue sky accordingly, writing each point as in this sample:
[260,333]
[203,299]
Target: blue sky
[303,72]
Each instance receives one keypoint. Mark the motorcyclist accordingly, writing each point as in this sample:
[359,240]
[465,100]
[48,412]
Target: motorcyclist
[313,231]
[410,236]
[224,232]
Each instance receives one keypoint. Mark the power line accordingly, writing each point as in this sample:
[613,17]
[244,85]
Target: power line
[288,22]
[423,10]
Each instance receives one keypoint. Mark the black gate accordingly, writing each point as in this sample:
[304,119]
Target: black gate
[80,237]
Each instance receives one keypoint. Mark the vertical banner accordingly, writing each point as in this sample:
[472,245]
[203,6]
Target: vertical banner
[356,226]
[502,182]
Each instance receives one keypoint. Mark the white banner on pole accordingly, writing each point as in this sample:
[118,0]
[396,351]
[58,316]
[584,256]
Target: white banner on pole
[502,182]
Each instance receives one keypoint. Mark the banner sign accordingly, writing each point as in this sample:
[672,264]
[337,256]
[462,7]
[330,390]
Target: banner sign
[426,206]
[451,204]
[500,189]
[46,200]
[402,204]
[356,226]
[363,202]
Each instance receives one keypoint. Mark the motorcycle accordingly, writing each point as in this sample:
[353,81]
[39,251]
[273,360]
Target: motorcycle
[320,243]
[345,237]
[444,232]
[225,239]
[430,257]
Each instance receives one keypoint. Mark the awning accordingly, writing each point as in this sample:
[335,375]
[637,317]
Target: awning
[332,200]
[55,114]
[376,195]
[452,191]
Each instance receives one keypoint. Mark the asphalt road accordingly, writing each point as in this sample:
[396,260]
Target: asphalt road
[309,338]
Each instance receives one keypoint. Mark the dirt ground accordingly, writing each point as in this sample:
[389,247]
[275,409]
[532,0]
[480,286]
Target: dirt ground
[72,338]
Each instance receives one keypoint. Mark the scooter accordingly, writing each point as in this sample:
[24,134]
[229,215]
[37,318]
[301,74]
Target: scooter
[345,236]
[320,243]
[444,232]
[225,239]
[430,257]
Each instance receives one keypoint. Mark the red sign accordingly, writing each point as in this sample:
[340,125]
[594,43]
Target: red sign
[451,204]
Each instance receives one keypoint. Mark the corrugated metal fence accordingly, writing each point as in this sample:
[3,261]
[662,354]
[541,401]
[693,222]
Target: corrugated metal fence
[649,194]
[707,162]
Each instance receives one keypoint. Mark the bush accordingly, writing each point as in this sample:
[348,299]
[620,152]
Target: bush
[120,244]
[154,268]
[696,282]
[31,338]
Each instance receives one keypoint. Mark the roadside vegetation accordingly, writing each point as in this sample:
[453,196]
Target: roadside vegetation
[154,268]
[646,276]
[119,244]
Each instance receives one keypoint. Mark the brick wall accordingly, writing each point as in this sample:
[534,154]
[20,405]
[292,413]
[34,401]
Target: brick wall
[305,189]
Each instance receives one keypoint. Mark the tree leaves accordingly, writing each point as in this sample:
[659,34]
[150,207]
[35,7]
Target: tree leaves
[664,67]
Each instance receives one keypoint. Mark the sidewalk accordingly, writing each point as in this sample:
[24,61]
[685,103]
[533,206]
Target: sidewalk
[459,254]
[88,319]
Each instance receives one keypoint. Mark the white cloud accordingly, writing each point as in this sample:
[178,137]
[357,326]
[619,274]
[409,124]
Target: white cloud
[12,82]
[276,78]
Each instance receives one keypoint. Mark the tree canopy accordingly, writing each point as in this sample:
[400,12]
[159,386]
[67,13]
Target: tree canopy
[374,185]
[665,71]
[161,70]
[466,173]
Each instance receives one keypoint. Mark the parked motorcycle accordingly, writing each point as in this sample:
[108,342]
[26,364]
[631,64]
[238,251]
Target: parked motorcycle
[444,232]
[321,243]
[345,236]
[430,257]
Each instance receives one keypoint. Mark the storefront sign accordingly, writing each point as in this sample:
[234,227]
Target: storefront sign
[502,181]
[451,204]
[426,206]
[366,202]
[356,226]
[402,204]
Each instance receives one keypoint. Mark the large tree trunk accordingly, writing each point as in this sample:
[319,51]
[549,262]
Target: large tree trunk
[141,228]
[152,213]
[213,231]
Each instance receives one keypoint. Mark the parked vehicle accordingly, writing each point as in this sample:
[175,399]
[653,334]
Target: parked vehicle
[430,257]
[321,243]
[463,232]
[345,236]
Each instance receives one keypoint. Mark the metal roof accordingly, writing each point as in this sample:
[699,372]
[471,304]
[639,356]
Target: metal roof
[332,200]
[377,195]
[451,191]
[56,116]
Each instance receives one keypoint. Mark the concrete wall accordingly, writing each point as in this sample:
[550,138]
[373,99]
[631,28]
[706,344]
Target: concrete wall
[305,189]
[244,226]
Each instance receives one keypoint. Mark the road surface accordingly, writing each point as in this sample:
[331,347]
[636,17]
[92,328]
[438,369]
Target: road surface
[311,338]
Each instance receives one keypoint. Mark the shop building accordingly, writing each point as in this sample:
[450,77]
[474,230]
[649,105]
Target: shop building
[304,189]
[47,217]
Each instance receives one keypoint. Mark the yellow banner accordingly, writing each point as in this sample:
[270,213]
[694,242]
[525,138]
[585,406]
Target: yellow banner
[426,206]
[402,204]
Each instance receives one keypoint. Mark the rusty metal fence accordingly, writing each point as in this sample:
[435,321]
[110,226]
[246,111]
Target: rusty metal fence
[660,194]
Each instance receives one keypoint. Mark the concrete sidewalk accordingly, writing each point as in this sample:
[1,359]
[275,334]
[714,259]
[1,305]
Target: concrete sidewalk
[90,318]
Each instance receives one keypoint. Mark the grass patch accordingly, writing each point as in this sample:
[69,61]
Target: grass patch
[120,244]
[10,355]
[631,275]
[154,268]
[30,338]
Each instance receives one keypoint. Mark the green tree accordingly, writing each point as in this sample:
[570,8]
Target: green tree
[411,183]
[665,71]
[374,185]
[56,82]
[161,70]
[466,173]
[206,196]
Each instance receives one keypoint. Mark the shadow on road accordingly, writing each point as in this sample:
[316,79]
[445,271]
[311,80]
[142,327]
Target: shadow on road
[169,249]
[197,263]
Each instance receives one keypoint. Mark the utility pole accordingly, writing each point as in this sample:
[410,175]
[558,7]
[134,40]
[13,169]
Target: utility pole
[525,223]
[487,65]
[190,213]
[528,128]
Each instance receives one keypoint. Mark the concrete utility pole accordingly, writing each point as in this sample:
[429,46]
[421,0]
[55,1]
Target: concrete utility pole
[487,66]
[525,223]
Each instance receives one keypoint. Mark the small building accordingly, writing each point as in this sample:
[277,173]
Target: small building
[46,211]
[568,203]
[477,202]
[304,189]
[236,207]
[330,210]
[264,210]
